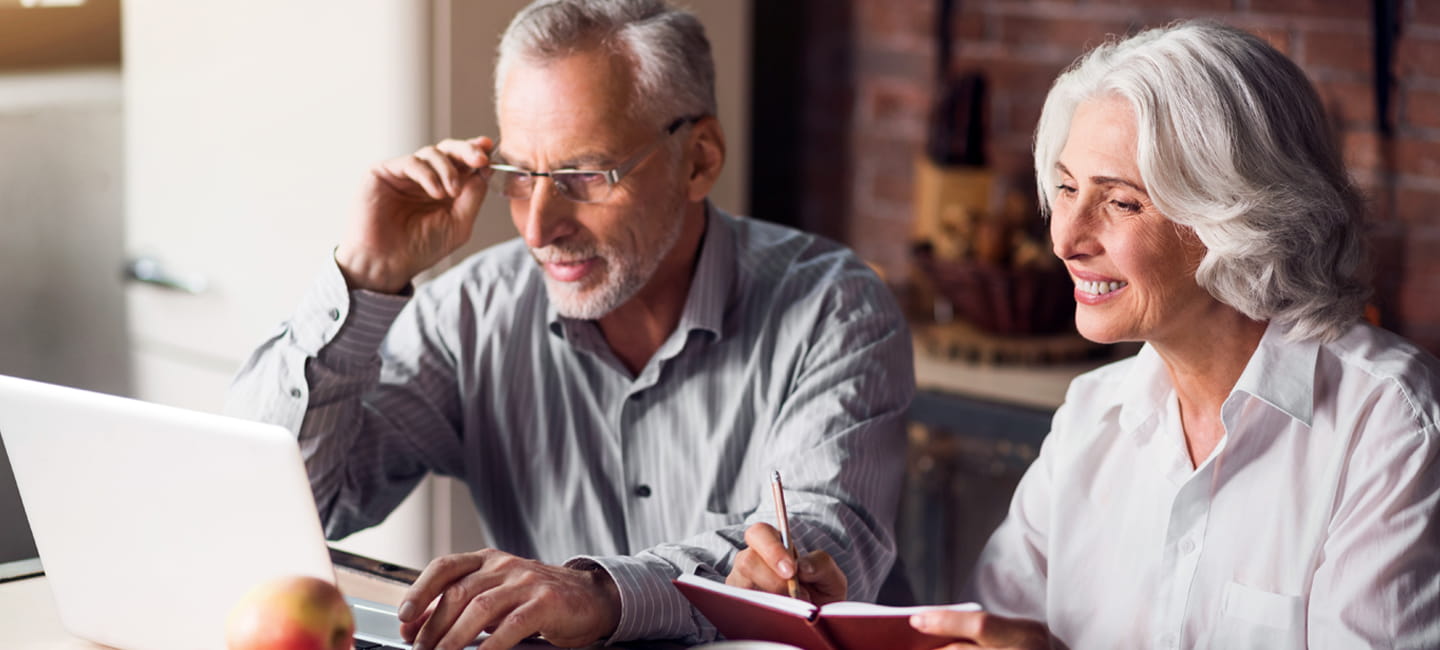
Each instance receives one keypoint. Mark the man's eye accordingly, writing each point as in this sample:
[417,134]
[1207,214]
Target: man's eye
[587,178]
[509,178]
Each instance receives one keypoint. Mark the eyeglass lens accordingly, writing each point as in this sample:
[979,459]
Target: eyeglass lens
[579,186]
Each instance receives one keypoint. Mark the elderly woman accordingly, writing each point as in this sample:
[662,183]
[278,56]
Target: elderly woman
[1264,472]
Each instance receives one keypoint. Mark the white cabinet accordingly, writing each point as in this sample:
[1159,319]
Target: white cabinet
[248,127]
[61,313]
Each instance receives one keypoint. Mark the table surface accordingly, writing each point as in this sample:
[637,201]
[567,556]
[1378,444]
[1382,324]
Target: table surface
[29,620]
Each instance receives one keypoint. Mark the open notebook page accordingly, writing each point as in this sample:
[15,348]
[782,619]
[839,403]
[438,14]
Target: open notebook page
[852,608]
[807,610]
[773,601]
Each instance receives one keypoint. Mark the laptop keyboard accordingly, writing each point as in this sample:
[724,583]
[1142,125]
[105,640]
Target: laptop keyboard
[371,645]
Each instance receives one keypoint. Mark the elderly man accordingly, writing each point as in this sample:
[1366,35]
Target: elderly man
[616,385]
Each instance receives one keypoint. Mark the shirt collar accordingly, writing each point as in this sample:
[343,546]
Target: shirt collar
[1280,373]
[709,287]
[714,276]
[1144,389]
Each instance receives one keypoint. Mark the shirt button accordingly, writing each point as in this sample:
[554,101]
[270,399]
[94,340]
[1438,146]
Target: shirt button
[642,491]
[295,392]
[334,313]
[1186,546]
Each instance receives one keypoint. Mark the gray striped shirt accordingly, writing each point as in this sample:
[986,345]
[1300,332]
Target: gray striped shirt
[789,354]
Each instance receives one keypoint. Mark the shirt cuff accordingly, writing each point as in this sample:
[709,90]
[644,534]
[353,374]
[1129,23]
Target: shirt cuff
[650,606]
[348,325]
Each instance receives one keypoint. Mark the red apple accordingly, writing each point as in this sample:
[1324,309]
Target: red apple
[291,613]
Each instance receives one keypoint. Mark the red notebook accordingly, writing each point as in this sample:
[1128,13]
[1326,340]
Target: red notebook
[757,616]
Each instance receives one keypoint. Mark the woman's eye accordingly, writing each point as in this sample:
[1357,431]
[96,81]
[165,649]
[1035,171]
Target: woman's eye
[1126,206]
[1065,189]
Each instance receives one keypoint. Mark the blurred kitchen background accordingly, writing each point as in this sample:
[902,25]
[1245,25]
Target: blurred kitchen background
[173,172]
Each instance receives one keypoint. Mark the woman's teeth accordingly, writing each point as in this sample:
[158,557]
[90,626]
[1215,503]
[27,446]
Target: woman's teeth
[1099,288]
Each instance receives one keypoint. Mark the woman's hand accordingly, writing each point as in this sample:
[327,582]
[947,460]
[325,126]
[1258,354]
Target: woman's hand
[985,630]
[766,566]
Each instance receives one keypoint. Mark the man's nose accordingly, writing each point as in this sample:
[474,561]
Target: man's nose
[546,216]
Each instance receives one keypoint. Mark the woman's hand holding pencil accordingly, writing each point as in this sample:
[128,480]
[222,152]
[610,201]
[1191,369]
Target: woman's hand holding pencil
[772,563]
[782,518]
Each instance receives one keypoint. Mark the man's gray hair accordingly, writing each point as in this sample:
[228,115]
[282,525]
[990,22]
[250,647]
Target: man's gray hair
[673,67]
[1232,142]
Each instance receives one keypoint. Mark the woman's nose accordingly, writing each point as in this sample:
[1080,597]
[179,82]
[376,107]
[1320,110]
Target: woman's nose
[1072,230]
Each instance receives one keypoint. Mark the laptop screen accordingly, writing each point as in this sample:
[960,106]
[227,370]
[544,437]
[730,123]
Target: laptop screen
[140,510]
[16,542]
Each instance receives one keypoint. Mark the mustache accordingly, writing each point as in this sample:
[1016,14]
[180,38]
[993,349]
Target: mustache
[564,253]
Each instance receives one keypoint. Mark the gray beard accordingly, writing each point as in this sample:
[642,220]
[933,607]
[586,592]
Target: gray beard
[624,277]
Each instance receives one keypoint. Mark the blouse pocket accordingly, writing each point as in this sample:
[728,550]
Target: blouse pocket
[1255,618]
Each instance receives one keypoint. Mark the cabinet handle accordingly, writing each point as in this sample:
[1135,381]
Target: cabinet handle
[150,271]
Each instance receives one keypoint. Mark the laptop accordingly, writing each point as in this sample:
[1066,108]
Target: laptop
[152,521]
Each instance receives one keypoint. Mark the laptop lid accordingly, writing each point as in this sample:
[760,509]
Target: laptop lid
[151,521]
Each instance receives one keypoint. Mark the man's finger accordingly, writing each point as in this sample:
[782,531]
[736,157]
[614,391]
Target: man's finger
[520,624]
[438,575]
[471,594]
[445,168]
[411,171]
[765,540]
[408,629]
[448,609]
[471,153]
[473,188]
[483,611]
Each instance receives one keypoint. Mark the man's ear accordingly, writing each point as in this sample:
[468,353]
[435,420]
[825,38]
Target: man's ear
[705,157]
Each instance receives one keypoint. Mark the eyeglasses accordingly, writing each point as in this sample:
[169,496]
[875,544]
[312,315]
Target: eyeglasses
[578,185]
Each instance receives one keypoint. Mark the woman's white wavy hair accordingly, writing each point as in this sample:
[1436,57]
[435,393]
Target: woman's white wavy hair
[674,69]
[1233,143]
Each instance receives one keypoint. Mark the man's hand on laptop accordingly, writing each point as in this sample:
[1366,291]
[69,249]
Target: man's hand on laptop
[459,596]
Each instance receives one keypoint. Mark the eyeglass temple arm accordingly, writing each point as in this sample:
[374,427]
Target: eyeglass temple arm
[614,175]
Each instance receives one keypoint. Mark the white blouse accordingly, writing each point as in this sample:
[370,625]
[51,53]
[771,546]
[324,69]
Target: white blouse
[1312,524]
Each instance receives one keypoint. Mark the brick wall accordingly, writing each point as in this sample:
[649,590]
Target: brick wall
[874,101]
